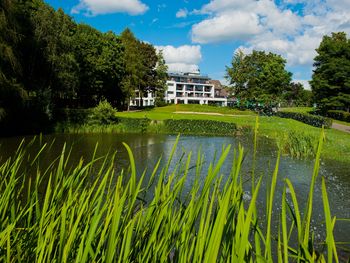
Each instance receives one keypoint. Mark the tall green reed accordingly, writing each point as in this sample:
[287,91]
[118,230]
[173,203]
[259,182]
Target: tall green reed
[91,213]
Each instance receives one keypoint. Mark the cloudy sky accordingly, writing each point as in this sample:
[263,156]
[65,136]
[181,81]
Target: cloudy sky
[205,34]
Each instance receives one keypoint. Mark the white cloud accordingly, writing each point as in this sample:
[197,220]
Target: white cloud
[183,58]
[266,25]
[232,20]
[223,5]
[235,25]
[154,20]
[99,7]
[182,13]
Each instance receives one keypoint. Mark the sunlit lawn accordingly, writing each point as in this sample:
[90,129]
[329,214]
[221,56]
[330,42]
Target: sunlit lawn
[337,144]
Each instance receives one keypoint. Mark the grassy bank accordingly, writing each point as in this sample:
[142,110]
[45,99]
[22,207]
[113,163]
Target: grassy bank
[295,138]
[90,214]
[337,144]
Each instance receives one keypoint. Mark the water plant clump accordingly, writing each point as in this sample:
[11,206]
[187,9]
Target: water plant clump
[88,213]
[298,144]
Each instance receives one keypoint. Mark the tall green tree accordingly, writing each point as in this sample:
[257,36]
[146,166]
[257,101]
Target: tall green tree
[148,74]
[133,66]
[154,72]
[259,75]
[101,66]
[11,91]
[111,69]
[237,74]
[296,95]
[331,77]
[54,68]
[161,77]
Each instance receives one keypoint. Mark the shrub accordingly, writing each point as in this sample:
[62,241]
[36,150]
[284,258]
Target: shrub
[339,115]
[159,102]
[313,120]
[103,114]
[135,124]
[200,127]
[298,144]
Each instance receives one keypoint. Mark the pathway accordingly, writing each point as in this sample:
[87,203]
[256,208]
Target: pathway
[341,127]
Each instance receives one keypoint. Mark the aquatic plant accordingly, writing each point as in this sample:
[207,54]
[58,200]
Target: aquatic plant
[90,213]
[297,144]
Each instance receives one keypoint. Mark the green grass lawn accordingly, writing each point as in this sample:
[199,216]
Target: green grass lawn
[297,109]
[201,108]
[337,145]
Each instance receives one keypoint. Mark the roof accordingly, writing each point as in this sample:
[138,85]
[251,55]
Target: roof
[188,75]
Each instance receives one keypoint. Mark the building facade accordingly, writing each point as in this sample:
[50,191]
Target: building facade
[144,101]
[186,88]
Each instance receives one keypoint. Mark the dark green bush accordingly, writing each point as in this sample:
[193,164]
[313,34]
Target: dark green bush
[200,127]
[339,115]
[160,102]
[313,120]
[135,124]
[103,114]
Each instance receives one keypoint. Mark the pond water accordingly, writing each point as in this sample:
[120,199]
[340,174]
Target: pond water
[148,149]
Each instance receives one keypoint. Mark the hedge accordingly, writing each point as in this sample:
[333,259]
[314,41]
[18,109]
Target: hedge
[135,124]
[339,115]
[197,127]
[313,120]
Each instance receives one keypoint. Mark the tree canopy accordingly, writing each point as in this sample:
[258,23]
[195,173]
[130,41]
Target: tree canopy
[48,61]
[331,77]
[258,75]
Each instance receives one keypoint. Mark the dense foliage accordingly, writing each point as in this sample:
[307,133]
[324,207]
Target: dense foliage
[313,120]
[259,75]
[48,62]
[135,125]
[331,78]
[339,115]
[296,96]
[145,69]
[203,127]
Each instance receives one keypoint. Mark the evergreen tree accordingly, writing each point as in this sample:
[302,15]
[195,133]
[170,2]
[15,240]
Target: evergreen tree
[331,77]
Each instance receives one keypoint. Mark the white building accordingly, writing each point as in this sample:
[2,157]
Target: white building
[191,88]
[185,88]
[146,101]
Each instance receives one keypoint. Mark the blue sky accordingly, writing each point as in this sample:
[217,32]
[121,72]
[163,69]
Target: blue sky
[205,34]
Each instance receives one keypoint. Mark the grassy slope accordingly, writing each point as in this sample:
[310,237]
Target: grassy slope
[337,144]
[297,109]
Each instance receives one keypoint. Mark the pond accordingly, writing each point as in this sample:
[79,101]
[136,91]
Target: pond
[148,149]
